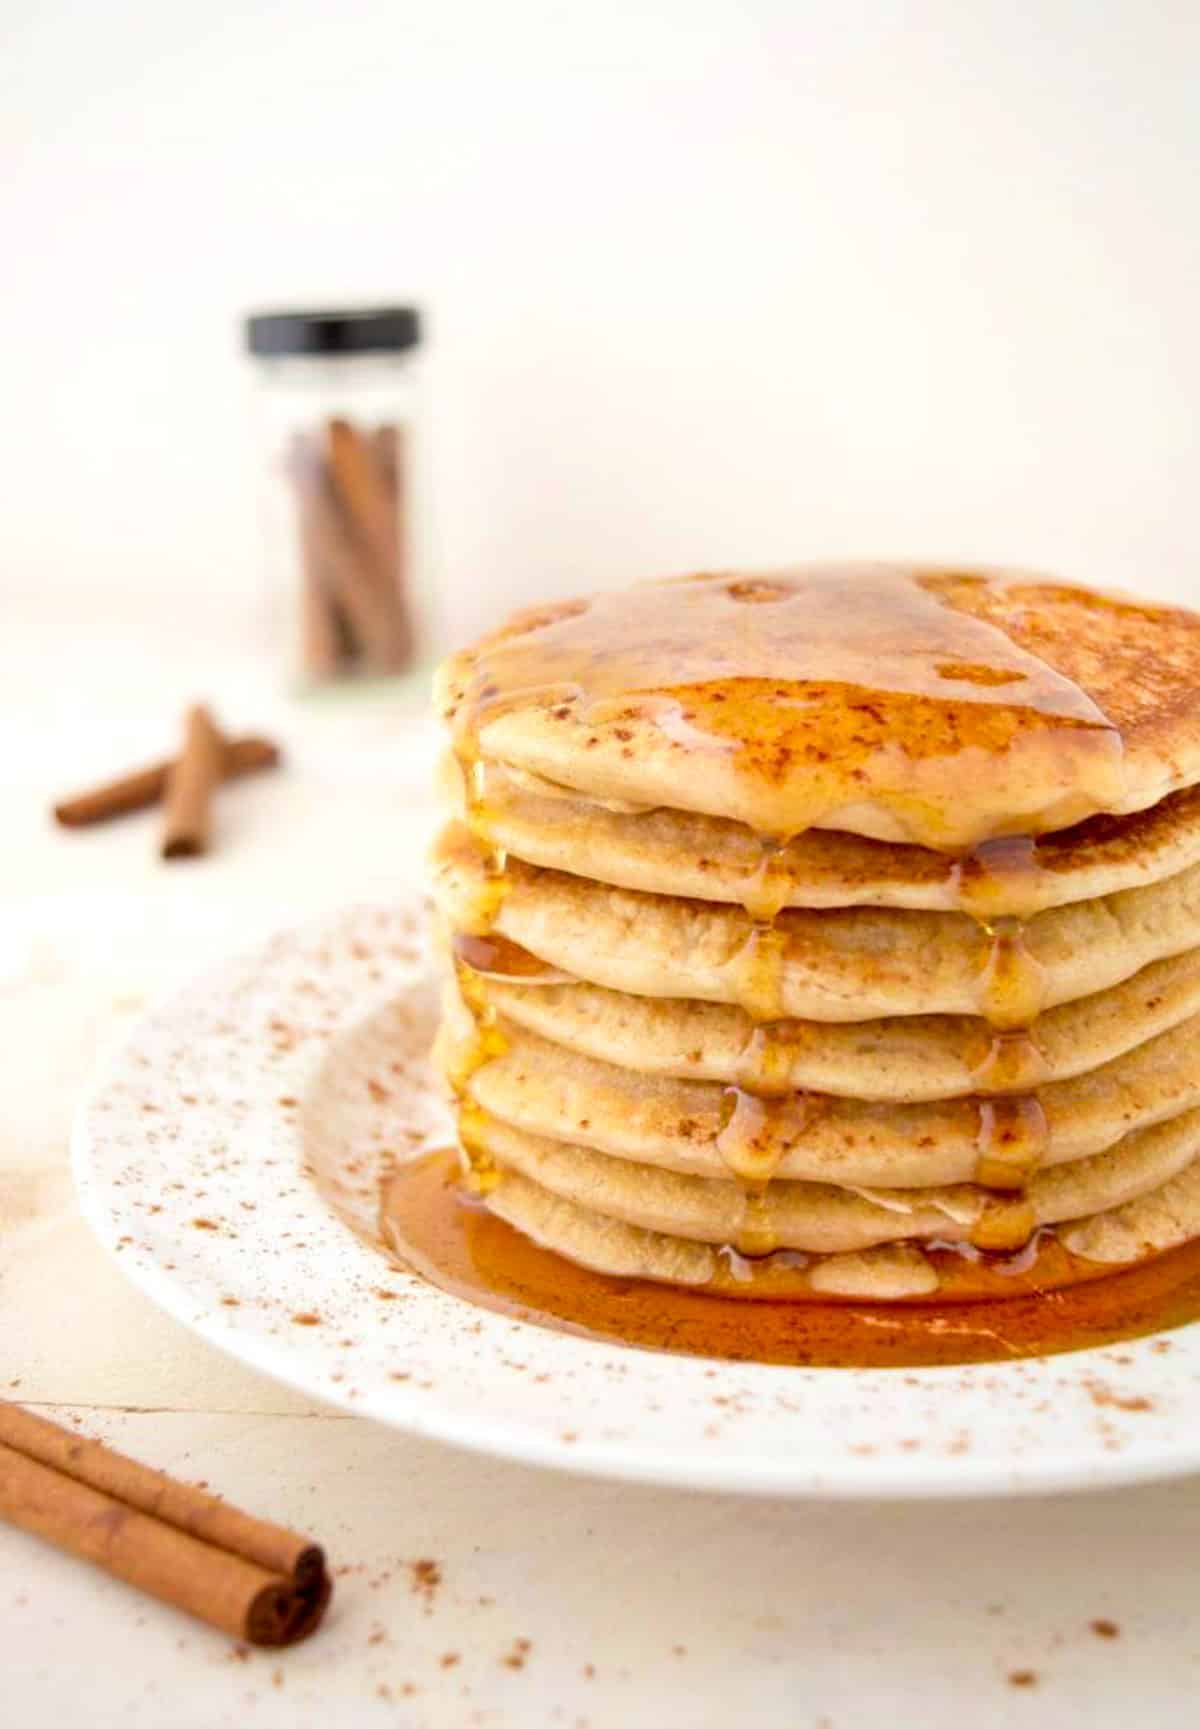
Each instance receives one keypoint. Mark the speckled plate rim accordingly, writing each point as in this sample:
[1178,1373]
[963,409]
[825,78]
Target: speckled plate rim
[145,1159]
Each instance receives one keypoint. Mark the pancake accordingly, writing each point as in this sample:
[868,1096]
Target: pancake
[824,1218]
[907,1059]
[667,851]
[936,707]
[831,932]
[1073,1254]
[701,1128]
[849,964]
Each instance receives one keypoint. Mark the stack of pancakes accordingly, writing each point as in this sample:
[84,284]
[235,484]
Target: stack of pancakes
[829,933]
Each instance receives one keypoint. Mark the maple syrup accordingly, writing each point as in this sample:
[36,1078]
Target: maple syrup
[758,972]
[493,883]
[1012,1140]
[1012,1061]
[497,957]
[1005,1307]
[769,886]
[757,1133]
[479,1170]
[1006,1223]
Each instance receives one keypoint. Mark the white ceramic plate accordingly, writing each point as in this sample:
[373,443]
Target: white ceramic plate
[241,1127]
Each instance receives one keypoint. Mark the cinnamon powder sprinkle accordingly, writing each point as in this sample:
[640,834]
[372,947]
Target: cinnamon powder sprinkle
[425,1576]
[1105,1629]
[1101,1395]
[1022,1678]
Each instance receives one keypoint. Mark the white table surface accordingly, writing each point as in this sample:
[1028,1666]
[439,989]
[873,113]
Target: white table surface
[640,1607]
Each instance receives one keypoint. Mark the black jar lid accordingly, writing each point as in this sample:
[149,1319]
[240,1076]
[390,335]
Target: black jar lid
[347,330]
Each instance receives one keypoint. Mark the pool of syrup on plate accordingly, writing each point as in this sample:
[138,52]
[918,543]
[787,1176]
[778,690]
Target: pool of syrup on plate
[446,1235]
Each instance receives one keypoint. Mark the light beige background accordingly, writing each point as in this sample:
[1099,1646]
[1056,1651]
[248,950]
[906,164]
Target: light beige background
[710,280]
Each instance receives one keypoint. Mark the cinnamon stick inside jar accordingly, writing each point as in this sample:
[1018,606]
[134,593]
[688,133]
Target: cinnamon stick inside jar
[349,533]
[252,1579]
[342,399]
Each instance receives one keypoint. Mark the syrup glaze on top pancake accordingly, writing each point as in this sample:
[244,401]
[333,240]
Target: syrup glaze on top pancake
[945,708]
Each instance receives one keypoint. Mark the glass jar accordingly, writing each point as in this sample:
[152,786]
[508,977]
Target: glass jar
[344,517]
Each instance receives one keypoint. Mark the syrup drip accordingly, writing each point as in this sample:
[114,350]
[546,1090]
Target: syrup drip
[1012,1142]
[481,1173]
[471,947]
[758,973]
[495,957]
[996,884]
[1012,1062]
[760,1124]
[767,1055]
[998,878]
[476,960]
[758,965]
[486,1042]
[1012,984]
[769,887]
[1004,1266]
[757,1134]
[493,885]
[755,1233]
[1004,1225]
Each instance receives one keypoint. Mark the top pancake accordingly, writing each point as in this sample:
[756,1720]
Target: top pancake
[936,707]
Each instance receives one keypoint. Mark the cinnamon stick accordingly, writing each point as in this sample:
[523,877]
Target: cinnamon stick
[361,488]
[387,448]
[333,551]
[144,787]
[351,512]
[190,785]
[252,1579]
[319,619]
